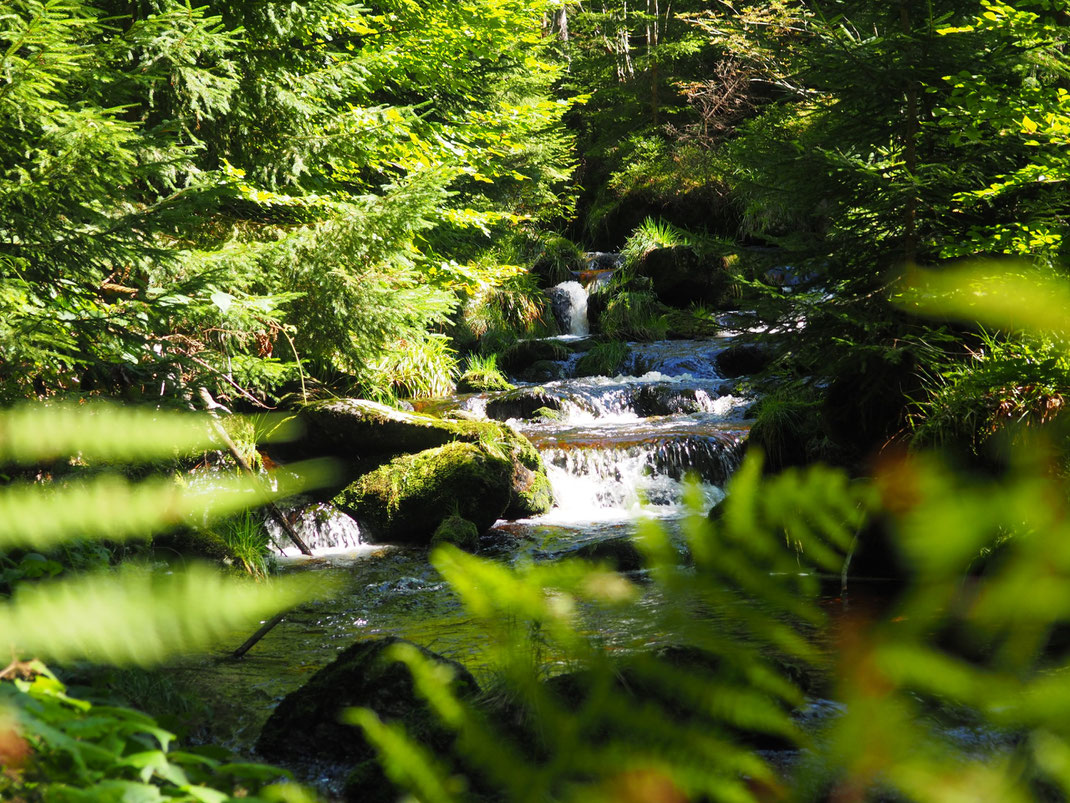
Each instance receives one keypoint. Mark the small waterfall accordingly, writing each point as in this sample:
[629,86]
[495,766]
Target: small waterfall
[569,303]
[321,526]
[616,480]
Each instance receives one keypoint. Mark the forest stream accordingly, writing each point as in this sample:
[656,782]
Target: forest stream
[620,449]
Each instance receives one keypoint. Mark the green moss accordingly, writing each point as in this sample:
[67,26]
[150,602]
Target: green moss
[405,500]
[458,531]
[532,494]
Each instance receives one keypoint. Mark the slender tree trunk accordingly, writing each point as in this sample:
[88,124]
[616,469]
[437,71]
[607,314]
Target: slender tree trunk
[910,155]
[652,12]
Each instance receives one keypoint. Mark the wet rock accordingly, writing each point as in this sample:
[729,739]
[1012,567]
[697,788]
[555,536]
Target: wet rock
[525,353]
[521,403]
[682,276]
[306,723]
[457,531]
[620,553]
[532,493]
[654,400]
[568,302]
[543,371]
[404,501]
[742,360]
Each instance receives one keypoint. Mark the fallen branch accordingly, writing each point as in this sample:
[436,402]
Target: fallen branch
[212,406]
[265,628]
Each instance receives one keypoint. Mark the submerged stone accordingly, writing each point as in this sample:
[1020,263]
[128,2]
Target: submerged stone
[458,531]
[404,501]
[306,724]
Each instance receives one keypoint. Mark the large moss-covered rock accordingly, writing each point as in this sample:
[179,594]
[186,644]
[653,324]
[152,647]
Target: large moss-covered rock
[682,276]
[361,429]
[306,724]
[369,435]
[405,500]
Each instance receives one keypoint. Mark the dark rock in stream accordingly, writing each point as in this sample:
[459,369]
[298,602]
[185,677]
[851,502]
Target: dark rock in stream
[404,501]
[744,359]
[682,276]
[525,353]
[521,403]
[543,371]
[654,400]
[621,553]
[306,725]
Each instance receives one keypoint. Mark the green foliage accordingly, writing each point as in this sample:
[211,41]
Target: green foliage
[634,315]
[58,747]
[481,373]
[649,235]
[415,369]
[603,359]
[130,616]
[256,193]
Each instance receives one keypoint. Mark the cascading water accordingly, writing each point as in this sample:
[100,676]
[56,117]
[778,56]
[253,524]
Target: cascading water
[623,446]
[569,303]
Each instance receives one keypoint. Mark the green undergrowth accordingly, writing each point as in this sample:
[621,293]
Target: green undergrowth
[603,359]
[481,373]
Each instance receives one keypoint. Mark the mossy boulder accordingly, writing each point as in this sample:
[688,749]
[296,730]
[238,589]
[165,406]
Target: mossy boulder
[682,276]
[362,429]
[405,500]
[306,724]
[483,382]
[532,493]
[521,403]
[458,531]
[368,435]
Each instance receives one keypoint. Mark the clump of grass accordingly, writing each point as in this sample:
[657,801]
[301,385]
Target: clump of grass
[1004,381]
[557,259]
[649,235]
[248,542]
[788,428]
[635,315]
[481,373]
[513,310]
[415,369]
[604,359]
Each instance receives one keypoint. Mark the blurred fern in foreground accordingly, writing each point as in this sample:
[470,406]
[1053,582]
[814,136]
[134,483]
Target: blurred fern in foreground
[54,747]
